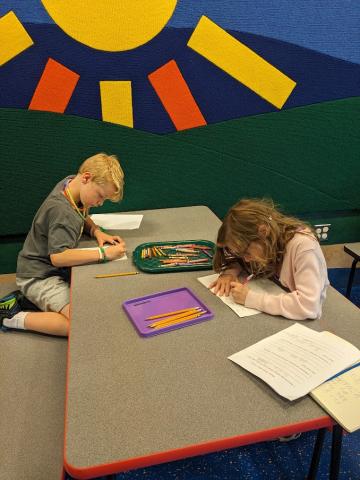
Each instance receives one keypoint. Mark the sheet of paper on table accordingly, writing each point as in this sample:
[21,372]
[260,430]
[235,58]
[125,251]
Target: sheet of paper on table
[105,247]
[117,221]
[297,359]
[260,285]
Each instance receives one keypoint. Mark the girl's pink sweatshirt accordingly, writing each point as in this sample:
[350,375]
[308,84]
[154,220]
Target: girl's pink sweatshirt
[304,273]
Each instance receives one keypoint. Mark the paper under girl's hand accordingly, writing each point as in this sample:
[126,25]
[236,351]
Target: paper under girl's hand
[222,285]
[239,291]
[103,237]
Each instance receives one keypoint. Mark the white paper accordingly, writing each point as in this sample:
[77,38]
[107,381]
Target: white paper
[117,221]
[296,360]
[124,257]
[260,285]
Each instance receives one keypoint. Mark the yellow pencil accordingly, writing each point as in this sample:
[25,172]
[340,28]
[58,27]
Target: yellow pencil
[121,274]
[175,322]
[175,312]
[177,317]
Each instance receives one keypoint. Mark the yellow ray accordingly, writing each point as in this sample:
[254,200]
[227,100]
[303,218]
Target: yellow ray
[14,37]
[116,102]
[242,63]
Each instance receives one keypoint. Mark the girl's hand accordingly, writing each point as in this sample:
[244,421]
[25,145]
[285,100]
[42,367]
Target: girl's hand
[115,251]
[239,291]
[103,237]
[222,285]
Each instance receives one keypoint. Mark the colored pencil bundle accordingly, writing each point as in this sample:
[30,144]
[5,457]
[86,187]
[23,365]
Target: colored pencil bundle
[152,252]
[175,317]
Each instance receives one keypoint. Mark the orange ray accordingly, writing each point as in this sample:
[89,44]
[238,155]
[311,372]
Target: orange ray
[55,88]
[176,96]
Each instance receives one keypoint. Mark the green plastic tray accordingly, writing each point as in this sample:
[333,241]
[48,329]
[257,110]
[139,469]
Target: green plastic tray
[153,264]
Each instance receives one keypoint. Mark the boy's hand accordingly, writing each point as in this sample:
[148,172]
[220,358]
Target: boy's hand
[103,237]
[239,292]
[222,285]
[115,251]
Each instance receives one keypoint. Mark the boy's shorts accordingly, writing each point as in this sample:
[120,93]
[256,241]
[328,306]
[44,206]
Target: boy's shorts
[50,294]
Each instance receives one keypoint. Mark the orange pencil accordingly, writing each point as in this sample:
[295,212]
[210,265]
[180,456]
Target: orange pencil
[174,322]
[175,312]
[177,317]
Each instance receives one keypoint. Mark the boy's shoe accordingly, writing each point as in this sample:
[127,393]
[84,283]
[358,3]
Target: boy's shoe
[9,306]
[25,304]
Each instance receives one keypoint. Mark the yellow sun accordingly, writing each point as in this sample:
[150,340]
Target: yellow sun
[111,25]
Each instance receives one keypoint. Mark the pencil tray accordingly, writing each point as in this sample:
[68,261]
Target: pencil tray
[140,308]
[155,257]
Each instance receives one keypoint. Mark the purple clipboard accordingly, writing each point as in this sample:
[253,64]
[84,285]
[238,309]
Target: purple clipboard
[138,309]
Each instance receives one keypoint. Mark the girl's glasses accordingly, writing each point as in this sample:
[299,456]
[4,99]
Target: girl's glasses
[229,253]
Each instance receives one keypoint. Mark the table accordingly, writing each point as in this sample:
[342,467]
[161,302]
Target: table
[352,249]
[134,402]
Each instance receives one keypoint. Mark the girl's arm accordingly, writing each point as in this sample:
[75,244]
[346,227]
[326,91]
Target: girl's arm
[305,301]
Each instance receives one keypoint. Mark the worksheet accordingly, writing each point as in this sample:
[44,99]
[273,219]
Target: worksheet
[297,359]
[260,285]
[117,221]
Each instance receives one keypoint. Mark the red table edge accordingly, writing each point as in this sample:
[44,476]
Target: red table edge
[195,450]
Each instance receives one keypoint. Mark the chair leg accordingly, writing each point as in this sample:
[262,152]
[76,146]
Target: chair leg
[337,436]
[316,454]
[351,278]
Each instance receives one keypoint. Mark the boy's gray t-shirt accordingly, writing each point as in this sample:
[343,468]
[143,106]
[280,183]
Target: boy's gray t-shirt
[55,228]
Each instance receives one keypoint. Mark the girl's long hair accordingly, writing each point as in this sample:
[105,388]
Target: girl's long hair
[256,220]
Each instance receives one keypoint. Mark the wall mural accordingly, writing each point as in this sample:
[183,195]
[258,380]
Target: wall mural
[204,102]
[165,65]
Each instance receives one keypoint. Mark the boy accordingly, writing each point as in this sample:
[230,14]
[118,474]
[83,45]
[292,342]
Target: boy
[50,247]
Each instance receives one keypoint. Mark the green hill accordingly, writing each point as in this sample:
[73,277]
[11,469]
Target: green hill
[306,158]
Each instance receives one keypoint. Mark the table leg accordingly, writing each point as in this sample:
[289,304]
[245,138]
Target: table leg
[337,435]
[351,278]
[316,454]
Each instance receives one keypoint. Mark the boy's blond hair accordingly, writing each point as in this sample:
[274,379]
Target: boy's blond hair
[241,227]
[105,169]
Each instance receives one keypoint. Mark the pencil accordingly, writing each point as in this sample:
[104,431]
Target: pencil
[177,317]
[121,274]
[175,312]
[247,279]
[175,321]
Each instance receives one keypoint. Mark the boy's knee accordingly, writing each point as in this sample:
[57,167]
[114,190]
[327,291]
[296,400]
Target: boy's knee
[66,311]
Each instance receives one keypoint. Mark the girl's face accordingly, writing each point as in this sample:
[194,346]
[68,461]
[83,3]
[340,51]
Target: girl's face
[253,253]
[94,195]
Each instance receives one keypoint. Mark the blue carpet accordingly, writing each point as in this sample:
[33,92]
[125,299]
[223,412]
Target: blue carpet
[339,278]
[267,460]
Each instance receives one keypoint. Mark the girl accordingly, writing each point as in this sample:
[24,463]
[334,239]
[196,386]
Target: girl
[255,238]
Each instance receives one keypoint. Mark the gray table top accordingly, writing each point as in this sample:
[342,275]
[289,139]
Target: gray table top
[134,401]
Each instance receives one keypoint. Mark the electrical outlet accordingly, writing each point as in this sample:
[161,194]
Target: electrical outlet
[322,231]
